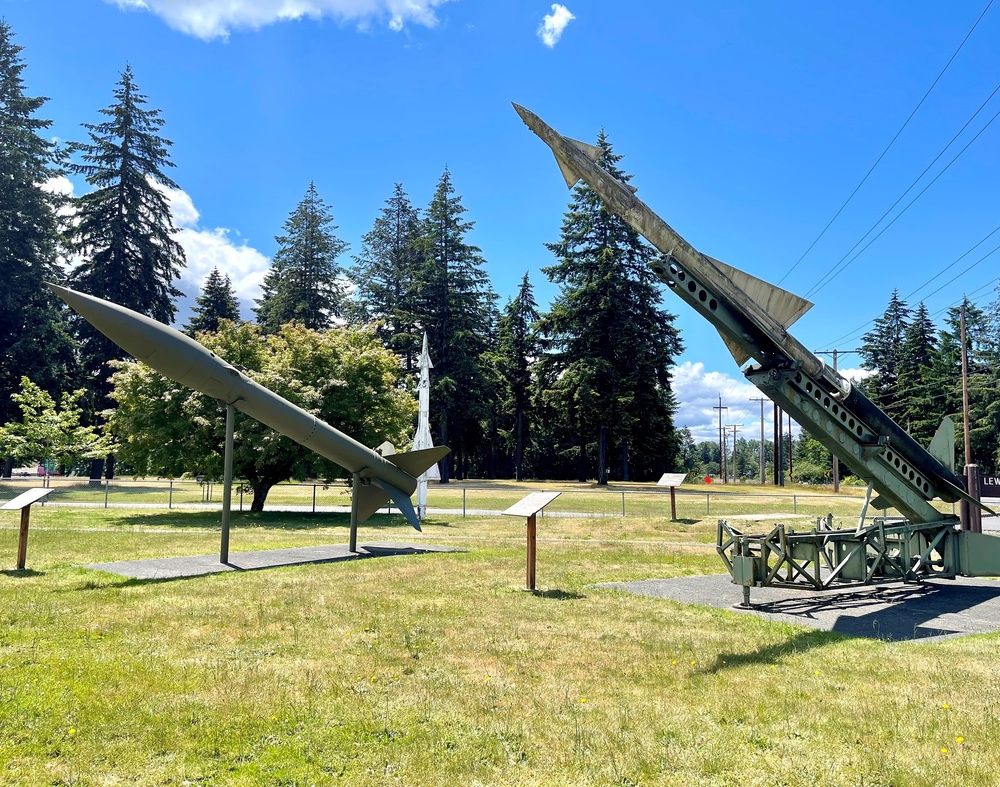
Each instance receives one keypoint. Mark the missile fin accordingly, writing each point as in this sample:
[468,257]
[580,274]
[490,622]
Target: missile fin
[739,354]
[568,174]
[375,494]
[942,445]
[402,501]
[782,305]
[416,462]
[590,151]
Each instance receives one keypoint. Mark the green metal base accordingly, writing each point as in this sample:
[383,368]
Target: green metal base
[885,551]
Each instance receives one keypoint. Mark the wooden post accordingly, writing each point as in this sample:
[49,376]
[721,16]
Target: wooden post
[530,578]
[673,503]
[22,538]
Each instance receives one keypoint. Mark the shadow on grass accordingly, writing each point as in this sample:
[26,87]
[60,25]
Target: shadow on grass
[270,520]
[806,640]
[557,595]
[24,572]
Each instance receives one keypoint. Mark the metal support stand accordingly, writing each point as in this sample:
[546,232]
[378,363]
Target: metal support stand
[355,500]
[227,482]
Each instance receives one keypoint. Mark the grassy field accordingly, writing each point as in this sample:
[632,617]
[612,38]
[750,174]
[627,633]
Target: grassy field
[439,669]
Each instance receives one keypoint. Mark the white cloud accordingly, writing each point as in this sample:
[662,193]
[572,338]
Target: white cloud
[552,26]
[698,393]
[208,19]
[213,248]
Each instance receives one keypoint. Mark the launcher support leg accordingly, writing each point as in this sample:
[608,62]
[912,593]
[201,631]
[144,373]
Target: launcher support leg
[355,501]
[227,483]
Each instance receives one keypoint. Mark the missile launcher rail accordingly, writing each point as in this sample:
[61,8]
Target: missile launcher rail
[753,316]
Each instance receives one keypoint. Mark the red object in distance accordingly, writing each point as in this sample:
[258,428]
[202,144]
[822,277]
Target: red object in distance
[708,479]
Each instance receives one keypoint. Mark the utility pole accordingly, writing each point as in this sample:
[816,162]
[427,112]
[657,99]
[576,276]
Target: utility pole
[971,516]
[761,452]
[790,447]
[736,464]
[722,453]
[779,476]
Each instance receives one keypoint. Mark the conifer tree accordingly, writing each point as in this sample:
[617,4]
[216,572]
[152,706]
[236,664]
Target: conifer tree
[386,274]
[30,318]
[216,302]
[881,352]
[124,231]
[610,345]
[304,283]
[517,350]
[456,306]
[919,409]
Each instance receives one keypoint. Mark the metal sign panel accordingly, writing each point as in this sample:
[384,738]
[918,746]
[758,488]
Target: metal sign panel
[989,486]
[25,499]
[531,504]
[671,479]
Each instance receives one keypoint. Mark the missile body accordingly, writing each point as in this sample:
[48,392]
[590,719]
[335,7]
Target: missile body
[187,362]
[752,316]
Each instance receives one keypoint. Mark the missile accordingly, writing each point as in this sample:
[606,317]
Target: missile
[753,316]
[187,362]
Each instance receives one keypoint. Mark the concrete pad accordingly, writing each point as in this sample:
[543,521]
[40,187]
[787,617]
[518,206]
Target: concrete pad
[936,609]
[200,565]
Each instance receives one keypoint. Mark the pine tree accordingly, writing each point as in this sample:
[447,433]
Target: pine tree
[456,306]
[124,231]
[216,302]
[610,344]
[30,320]
[919,409]
[304,281]
[881,353]
[517,350]
[385,274]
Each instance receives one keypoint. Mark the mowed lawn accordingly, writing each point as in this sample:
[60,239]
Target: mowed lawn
[440,669]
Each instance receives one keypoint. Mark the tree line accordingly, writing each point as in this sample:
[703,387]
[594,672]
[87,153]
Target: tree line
[582,390]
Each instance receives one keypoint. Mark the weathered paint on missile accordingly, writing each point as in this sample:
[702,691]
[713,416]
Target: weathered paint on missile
[187,362]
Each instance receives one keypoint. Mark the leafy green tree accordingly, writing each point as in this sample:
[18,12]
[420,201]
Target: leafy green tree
[517,350]
[386,275]
[50,431]
[456,306]
[881,353]
[608,342]
[344,376]
[33,337]
[304,283]
[812,462]
[216,302]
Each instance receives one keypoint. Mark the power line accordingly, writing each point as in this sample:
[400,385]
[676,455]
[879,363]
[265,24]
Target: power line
[841,265]
[891,143]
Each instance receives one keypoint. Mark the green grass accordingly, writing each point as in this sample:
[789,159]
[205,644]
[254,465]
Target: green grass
[439,669]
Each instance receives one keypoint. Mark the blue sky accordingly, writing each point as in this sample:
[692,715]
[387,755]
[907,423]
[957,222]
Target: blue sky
[746,126]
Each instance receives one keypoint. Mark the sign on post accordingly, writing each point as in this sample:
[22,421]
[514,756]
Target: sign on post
[23,503]
[529,507]
[673,480]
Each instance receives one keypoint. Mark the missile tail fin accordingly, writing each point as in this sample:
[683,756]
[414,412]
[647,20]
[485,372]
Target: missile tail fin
[739,354]
[416,462]
[568,174]
[375,494]
[942,445]
[782,305]
[590,151]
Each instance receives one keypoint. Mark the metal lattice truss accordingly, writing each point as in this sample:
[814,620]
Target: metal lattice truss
[824,557]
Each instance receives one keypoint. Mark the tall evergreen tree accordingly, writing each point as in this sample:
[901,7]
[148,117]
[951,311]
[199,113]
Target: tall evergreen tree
[385,274]
[124,231]
[29,317]
[216,302]
[919,409]
[881,353]
[517,350]
[610,344]
[456,306]
[304,282]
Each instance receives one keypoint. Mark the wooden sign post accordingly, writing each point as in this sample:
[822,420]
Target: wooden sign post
[529,507]
[673,480]
[23,503]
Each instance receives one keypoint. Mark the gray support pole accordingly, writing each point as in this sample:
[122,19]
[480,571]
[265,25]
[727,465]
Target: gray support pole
[355,500]
[227,482]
